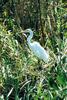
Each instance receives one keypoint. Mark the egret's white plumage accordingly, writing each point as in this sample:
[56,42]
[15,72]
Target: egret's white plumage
[37,49]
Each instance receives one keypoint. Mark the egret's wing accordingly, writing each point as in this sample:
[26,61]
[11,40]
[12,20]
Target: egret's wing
[38,53]
[37,49]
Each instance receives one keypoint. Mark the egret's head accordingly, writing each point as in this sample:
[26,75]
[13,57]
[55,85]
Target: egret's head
[28,31]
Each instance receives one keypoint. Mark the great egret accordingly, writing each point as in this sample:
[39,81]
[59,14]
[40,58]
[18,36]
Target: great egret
[37,49]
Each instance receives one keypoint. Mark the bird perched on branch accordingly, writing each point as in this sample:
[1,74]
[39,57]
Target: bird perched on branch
[37,49]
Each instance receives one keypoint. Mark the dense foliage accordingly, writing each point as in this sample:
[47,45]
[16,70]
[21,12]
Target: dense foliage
[22,75]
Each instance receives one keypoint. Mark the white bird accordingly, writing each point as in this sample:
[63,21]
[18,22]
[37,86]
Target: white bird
[37,49]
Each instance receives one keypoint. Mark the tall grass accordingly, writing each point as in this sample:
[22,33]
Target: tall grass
[22,75]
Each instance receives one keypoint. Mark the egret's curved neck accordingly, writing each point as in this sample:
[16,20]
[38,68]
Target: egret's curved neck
[30,37]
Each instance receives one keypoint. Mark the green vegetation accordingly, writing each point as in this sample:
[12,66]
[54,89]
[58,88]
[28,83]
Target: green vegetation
[22,75]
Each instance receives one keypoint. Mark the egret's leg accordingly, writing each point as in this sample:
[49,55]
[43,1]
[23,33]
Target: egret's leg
[39,64]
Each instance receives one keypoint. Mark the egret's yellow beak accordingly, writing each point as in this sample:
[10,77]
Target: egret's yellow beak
[24,33]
